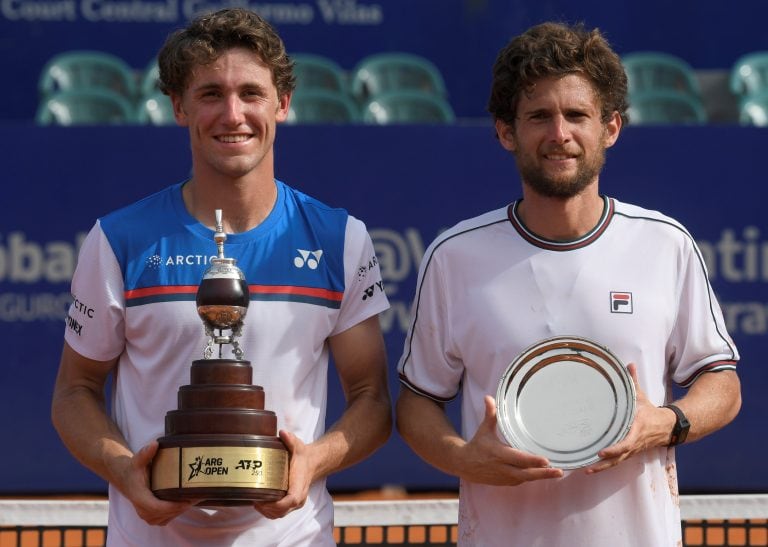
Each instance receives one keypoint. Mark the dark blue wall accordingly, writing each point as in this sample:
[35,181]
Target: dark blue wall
[406,183]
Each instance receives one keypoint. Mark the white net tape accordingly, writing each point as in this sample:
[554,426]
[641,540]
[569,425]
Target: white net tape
[366,513]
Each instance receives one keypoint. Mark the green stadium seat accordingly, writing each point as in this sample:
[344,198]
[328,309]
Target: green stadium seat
[653,71]
[82,69]
[754,109]
[318,72]
[155,109]
[149,82]
[318,106]
[407,107]
[749,74]
[385,72]
[662,107]
[85,107]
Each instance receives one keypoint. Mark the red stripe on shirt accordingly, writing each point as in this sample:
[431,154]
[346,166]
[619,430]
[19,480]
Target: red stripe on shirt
[152,291]
[287,289]
[253,289]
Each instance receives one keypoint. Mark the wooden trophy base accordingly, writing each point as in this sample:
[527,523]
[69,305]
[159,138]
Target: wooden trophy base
[220,469]
[221,446]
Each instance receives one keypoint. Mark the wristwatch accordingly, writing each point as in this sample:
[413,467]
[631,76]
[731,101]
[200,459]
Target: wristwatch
[682,425]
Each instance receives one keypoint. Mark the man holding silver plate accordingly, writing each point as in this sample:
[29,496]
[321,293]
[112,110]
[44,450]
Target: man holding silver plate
[563,319]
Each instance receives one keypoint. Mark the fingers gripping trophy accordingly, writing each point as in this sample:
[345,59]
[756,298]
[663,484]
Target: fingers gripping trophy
[220,445]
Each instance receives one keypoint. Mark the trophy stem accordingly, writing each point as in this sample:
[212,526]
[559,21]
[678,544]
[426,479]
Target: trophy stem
[220,236]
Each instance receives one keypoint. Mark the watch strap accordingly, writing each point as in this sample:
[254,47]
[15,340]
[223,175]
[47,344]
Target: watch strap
[682,425]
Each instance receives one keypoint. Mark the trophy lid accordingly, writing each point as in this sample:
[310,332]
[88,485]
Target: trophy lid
[223,268]
[220,266]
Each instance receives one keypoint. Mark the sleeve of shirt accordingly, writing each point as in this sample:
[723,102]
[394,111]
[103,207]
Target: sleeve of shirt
[364,294]
[699,342]
[96,322]
[428,365]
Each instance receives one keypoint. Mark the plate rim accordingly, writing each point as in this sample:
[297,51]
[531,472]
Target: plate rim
[546,345]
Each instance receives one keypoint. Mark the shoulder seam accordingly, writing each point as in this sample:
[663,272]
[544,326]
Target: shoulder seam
[437,245]
[702,268]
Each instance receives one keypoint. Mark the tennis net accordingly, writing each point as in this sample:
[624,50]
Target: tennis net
[707,520]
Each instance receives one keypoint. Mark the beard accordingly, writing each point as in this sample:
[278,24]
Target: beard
[561,185]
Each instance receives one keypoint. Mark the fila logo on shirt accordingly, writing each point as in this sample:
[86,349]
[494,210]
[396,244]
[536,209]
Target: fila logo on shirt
[310,259]
[621,302]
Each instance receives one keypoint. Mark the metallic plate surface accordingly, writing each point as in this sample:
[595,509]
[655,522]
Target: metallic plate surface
[565,398]
[221,466]
[165,469]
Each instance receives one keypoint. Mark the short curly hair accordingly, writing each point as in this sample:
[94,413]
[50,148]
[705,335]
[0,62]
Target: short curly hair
[210,35]
[557,49]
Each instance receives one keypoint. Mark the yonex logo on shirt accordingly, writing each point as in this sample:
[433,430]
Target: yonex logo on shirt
[370,291]
[621,302]
[309,258]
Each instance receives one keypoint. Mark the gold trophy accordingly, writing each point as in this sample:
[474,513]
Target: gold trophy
[220,445]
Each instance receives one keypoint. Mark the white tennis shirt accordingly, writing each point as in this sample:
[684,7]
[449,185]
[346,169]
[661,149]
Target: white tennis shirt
[488,289]
[311,272]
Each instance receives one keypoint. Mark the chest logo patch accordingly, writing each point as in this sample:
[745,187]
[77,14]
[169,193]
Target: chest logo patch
[621,302]
[310,259]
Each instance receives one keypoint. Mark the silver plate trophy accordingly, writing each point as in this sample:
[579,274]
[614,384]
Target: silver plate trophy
[565,398]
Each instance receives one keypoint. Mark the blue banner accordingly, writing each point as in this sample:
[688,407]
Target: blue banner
[407,184]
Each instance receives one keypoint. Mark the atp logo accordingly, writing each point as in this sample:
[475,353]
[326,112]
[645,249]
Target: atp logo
[621,302]
[310,259]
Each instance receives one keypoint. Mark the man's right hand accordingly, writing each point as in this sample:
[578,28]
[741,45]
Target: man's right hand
[490,461]
[135,486]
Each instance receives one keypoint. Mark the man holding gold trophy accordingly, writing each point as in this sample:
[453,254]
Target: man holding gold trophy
[217,428]
[563,319]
